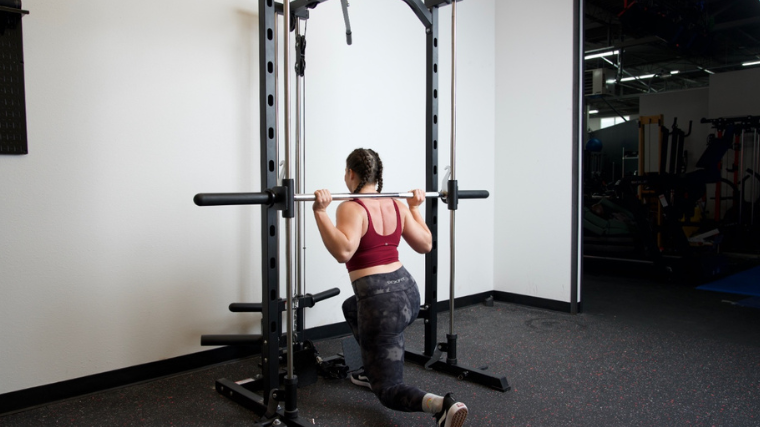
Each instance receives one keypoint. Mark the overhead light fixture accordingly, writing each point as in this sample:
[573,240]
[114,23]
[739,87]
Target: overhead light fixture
[628,79]
[706,70]
[747,64]
[593,111]
[674,72]
[602,55]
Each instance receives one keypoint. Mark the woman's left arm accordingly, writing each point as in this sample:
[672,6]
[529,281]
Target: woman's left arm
[416,232]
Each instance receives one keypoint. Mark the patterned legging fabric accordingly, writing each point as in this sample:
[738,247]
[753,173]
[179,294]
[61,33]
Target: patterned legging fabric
[383,306]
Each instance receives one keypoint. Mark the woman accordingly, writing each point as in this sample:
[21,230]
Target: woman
[386,299]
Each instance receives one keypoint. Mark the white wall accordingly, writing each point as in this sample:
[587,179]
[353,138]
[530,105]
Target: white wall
[534,109]
[593,124]
[735,94]
[372,94]
[106,262]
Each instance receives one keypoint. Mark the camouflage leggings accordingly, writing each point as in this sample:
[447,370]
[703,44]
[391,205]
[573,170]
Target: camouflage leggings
[383,306]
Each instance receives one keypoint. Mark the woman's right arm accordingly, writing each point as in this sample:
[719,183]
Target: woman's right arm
[341,240]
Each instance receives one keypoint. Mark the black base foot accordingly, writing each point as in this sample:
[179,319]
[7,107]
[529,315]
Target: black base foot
[461,372]
[252,401]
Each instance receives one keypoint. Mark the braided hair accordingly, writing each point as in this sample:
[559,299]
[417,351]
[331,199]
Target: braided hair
[367,164]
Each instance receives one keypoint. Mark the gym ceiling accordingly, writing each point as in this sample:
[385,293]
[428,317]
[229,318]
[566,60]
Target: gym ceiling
[664,46]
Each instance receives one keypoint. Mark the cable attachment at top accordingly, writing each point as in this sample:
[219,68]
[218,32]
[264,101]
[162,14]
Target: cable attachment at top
[300,55]
[344,3]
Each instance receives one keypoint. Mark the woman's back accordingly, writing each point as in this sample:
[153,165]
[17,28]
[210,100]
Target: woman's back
[383,215]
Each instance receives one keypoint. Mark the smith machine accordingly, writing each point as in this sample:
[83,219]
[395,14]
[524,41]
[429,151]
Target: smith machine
[276,386]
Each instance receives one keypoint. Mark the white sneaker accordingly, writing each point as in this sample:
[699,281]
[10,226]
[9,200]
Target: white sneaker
[453,413]
[360,379]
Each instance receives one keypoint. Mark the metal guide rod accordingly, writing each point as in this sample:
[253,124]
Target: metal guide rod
[453,90]
[300,177]
[452,275]
[288,175]
[277,96]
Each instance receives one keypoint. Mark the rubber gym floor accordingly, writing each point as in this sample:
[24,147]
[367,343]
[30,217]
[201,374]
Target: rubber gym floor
[643,353]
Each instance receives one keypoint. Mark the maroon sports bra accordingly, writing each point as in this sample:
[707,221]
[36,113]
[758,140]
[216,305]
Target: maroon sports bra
[375,249]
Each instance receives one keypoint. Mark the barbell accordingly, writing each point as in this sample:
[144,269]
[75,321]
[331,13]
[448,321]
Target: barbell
[273,196]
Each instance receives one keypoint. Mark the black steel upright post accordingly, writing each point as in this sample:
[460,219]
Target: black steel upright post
[271,325]
[431,212]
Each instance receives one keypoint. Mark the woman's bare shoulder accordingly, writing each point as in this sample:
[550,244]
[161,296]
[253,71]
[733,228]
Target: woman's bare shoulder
[402,207]
[349,206]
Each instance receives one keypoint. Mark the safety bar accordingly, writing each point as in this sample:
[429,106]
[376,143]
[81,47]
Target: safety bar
[307,300]
[220,199]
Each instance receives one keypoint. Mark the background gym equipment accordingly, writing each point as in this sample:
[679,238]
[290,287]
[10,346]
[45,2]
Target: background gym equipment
[660,213]
[283,198]
[740,176]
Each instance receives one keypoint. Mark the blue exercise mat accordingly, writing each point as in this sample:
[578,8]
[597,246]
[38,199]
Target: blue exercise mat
[744,283]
